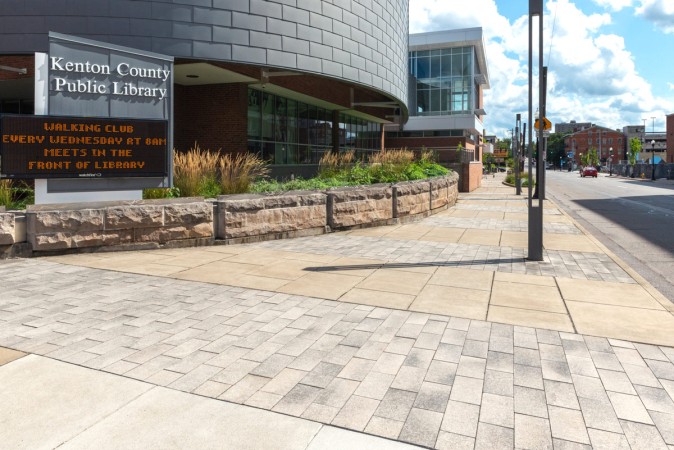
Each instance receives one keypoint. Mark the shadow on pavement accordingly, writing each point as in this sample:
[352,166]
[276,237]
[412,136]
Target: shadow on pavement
[472,262]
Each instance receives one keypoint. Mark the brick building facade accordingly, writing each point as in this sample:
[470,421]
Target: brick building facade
[605,141]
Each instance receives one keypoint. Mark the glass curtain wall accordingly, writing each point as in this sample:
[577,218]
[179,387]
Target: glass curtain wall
[285,131]
[444,81]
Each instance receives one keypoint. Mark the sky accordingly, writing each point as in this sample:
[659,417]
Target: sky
[610,62]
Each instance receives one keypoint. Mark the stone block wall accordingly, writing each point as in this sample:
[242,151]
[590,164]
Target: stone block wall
[360,205]
[230,219]
[7,226]
[249,217]
[145,224]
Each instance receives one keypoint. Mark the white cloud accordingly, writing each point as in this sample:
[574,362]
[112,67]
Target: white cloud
[592,76]
[660,12]
[671,85]
[614,5]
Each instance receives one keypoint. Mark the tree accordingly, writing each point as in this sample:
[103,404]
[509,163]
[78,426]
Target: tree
[505,144]
[592,158]
[555,151]
[489,161]
[635,148]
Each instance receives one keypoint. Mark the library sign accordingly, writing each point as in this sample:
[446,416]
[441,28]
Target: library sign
[78,147]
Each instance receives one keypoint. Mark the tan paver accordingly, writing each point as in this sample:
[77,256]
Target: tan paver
[524,278]
[490,215]
[465,213]
[482,237]
[463,278]
[8,355]
[530,318]
[444,234]
[321,285]
[527,296]
[570,242]
[410,231]
[396,281]
[634,324]
[378,298]
[619,294]
[152,269]
[286,269]
[360,267]
[514,239]
[453,301]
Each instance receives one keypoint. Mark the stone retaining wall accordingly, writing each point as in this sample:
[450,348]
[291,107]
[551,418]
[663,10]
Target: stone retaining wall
[150,223]
[359,205]
[229,219]
[249,217]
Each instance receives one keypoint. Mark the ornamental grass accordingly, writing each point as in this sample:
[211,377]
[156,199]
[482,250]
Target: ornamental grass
[195,171]
[6,193]
[333,164]
[237,172]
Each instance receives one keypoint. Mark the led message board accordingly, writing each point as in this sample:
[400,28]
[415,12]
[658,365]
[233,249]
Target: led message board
[77,147]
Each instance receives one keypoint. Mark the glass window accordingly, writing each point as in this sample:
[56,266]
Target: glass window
[281,120]
[423,101]
[267,116]
[435,67]
[423,67]
[254,114]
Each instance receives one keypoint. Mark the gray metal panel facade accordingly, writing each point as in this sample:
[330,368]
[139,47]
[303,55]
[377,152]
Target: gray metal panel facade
[363,41]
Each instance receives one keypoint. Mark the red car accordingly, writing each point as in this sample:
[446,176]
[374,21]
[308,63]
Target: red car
[588,171]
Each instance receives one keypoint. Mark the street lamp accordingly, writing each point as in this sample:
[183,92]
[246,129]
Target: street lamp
[653,159]
[580,161]
[610,161]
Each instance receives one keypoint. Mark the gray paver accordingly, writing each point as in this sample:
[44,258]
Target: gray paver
[532,432]
[568,424]
[421,427]
[494,437]
[337,363]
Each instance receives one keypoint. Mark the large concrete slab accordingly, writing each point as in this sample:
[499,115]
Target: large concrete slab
[47,402]
[163,418]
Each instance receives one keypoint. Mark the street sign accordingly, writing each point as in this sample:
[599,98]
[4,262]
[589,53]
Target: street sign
[546,124]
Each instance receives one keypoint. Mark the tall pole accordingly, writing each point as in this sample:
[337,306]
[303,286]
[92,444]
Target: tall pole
[536,211]
[516,155]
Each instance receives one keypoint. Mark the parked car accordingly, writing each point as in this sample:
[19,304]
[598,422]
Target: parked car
[589,171]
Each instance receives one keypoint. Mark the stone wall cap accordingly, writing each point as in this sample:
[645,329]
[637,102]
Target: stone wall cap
[360,187]
[112,204]
[255,196]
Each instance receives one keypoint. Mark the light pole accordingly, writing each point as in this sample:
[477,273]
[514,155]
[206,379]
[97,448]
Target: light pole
[580,161]
[610,161]
[653,159]
[560,163]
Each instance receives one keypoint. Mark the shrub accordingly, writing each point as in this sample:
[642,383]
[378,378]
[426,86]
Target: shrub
[152,193]
[6,194]
[236,173]
[195,171]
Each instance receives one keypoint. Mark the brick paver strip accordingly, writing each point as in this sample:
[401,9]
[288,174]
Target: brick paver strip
[426,379]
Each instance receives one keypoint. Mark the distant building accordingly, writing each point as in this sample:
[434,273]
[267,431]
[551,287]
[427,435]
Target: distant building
[605,141]
[571,127]
[448,74]
[651,141]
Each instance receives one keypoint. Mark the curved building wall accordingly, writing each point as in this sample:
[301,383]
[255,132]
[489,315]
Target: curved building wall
[362,41]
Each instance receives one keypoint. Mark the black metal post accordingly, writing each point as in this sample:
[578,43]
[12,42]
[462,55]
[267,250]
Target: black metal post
[653,159]
[516,156]
[535,233]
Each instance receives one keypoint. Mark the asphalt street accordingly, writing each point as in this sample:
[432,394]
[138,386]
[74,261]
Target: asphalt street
[633,218]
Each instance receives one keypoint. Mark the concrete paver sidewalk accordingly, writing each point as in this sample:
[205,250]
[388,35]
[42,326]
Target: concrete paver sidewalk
[406,333]
[469,262]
